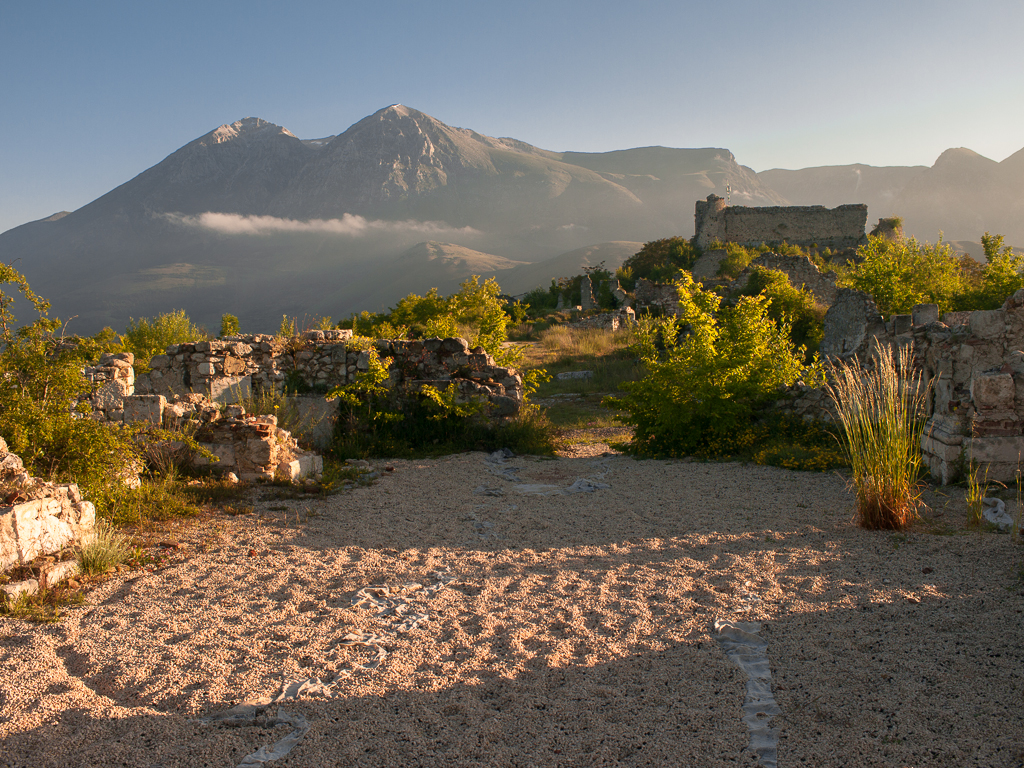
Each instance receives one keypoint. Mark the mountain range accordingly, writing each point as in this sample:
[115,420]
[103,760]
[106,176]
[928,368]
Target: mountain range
[252,220]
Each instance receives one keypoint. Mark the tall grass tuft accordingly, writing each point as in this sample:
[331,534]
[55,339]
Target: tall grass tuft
[881,412]
[107,549]
[977,488]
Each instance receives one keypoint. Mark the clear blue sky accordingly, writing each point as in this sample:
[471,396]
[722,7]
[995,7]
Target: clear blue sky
[93,93]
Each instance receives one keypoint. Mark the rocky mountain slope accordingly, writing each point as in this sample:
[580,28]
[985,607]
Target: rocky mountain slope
[250,219]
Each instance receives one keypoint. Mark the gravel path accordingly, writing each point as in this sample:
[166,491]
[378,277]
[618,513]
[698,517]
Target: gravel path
[570,629]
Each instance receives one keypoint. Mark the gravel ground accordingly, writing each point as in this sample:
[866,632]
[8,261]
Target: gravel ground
[568,630]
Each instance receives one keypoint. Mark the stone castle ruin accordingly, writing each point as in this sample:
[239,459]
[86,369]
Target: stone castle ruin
[839,228]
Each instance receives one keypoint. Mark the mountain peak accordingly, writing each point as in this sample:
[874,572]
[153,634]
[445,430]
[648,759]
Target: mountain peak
[245,128]
[960,156]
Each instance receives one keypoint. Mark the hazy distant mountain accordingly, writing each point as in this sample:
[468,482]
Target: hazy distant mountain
[250,219]
[833,185]
[963,194]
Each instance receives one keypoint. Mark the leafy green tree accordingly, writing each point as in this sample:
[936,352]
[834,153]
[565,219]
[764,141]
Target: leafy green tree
[707,370]
[40,383]
[796,307]
[1002,275]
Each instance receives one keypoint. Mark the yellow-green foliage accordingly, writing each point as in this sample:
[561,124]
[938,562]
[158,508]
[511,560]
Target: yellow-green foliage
[1001,277]
[796,306]
[901,273]
[658,261]
[229,325]
[707,371]
[476,312]
[881,414]
[39,387]
[146,337]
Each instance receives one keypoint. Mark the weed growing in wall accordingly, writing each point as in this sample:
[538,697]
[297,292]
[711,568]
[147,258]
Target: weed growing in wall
[373,422]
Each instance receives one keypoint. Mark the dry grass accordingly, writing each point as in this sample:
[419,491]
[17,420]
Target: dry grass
[881,414]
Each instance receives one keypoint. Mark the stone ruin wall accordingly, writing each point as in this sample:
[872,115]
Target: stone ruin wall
[801,271]
[975,361]
[192,383]
[842,227]
[620,318]
[230,369]
[39,520]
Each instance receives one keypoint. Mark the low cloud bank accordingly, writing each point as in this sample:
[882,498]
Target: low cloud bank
[349,225]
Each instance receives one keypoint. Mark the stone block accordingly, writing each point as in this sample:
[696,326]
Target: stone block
[11,465]
[13,591]
[923,314]
[574,375]
[902,324]
[111,395]
[59,572]
[993,392]
[230,389]
[225,453]
[233,366]
[707,266]
[936,448]
[148,408]
[988,324]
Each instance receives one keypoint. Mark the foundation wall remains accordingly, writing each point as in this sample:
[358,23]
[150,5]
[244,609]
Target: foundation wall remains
[839,228]
[39,519]
[228,370]
[975,361]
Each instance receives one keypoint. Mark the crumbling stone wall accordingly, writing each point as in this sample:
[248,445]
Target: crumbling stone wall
[227,370]
[113,379]
[252,447]
[975,361]
[663,297]
[976,412]
[804,225]
[38,519]
[610,320]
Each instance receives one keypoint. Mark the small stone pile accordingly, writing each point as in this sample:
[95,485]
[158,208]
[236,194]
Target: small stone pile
[251,447]
[39,519]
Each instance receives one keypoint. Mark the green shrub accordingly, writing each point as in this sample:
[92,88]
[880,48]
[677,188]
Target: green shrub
[147,337]
[288,327]
[658,261]
[795,306]
[737,258]
[902,273]
[881,414]
[372,423]
[718,366]
[1001,277]
[40,383]
[229,325]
